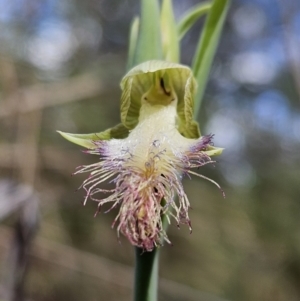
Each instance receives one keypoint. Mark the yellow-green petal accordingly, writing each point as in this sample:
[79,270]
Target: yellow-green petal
[88,140]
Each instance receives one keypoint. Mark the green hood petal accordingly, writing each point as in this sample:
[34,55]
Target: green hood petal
[141,78]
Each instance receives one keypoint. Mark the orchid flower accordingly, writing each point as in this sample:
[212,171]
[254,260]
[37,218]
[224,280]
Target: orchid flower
[146,156]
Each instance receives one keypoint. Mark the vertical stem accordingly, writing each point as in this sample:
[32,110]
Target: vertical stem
[146,275]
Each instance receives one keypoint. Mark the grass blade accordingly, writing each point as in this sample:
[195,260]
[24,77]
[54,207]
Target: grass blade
[170,42]
[190,17]
[149,42]
[133,39]
[207,46]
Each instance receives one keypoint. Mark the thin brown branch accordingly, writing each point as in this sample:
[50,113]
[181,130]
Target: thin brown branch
[48,157]
[40,96]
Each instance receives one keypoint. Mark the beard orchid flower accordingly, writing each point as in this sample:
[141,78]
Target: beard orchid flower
[146,156]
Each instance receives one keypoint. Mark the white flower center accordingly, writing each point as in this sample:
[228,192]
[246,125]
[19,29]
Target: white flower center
[156,130]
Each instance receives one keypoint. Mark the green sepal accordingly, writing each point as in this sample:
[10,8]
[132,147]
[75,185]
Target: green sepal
[88,140]
[214,151]
[190,130]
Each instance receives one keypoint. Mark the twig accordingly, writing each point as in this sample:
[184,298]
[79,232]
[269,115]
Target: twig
[40,96]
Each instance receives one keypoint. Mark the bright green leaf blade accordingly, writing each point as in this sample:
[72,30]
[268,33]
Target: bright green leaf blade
[191,16]
[133,38]
[87,140]
[207,46]
[170,42]
[149,42]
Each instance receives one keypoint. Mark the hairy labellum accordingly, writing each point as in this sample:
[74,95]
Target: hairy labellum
[146,169]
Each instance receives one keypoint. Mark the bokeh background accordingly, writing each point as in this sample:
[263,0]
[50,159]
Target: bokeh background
[61,62]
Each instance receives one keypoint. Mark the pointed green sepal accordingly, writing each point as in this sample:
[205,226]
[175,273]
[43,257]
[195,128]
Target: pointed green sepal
[88,140]
[214,151]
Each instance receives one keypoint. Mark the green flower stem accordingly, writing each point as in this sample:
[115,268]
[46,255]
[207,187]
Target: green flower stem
[146,271]
[146,275]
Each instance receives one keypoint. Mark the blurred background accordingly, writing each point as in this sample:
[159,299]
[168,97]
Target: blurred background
[61,62]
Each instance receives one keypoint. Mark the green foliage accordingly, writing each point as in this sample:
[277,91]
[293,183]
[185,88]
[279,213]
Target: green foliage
[149,45]
[207,46]
[169,33]
[191,16]
[133,38]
